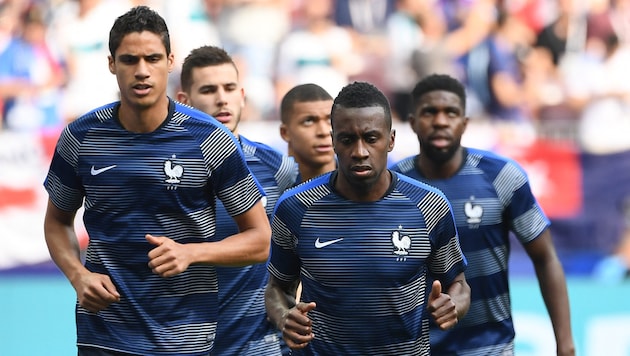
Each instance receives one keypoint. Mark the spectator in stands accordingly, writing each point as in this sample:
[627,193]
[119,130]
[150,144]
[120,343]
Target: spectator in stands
[451,29]
[416,42]
[8,24]
[620,19]
[191,17]
[317,51]
[405,37]
[366,21]
[460,25]
[491,197]
[555,35]
[601,93]
[31,75]
[365,17]
[77,28]
[493,70]
[557,43]
[251,31]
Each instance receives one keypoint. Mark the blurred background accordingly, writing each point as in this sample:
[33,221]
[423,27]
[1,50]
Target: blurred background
[548,84]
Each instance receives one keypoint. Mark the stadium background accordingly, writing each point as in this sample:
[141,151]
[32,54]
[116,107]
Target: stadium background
[585,192]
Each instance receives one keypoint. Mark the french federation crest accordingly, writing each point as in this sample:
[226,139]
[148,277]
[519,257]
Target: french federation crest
[401,243]
[173,171]
[473,212]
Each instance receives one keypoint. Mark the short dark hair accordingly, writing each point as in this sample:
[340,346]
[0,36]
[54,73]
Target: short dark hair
[203,56]
[138,19]
[362,95]
[299,94]
[435,82]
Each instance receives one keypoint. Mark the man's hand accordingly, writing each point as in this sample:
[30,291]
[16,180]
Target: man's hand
[296,326]
[441,307]
[95,291]
[169,258]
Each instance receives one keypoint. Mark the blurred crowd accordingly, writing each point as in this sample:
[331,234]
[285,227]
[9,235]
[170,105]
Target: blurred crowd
[552,66]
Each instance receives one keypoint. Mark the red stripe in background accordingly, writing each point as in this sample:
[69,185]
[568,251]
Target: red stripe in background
[22,198]
[556,166]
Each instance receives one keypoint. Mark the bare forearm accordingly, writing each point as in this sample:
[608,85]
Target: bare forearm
[251,245]
[242,249]
[460,294]
[277,303]
[553,286]
[64,250]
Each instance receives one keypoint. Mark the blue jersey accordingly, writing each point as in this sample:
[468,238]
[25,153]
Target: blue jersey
[365,264]
[243,327]
[490,196]
[164,183]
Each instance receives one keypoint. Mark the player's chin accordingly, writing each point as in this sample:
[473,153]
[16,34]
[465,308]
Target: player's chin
[324,156]
[362,174]
[143,102]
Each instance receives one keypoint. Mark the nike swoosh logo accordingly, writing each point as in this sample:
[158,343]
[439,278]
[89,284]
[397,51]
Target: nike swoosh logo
[95,172]
[319,244]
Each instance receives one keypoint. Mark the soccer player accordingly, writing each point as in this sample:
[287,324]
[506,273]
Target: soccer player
[363,241]
[490,196]
[148,171]
[305,116]
[210,82]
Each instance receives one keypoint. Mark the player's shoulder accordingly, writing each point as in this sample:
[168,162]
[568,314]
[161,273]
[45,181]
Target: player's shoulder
[309,190]
[313,183]
[196,121]
[491,161]
[282,164]
[260,149]
[186,113]
[489,156]
[99,116]
[406,183]
[404,165]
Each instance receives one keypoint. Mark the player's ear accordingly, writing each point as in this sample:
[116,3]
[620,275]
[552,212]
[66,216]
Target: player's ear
[182,97]
[392,138]
[171,62]
[112,64]
[284,133]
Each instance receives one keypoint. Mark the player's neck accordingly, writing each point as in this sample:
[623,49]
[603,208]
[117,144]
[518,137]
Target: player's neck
[308,172]
[433,169]
[143,119]
[368,191]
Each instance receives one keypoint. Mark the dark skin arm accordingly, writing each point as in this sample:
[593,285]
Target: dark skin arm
[448,308]
[290,318]
[553,287]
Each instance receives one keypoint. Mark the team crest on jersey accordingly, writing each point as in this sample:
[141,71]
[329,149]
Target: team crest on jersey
[173,172]
[473,212]
[401,243]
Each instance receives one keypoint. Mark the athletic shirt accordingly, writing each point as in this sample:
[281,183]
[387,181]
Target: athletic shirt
[490,196]
[163,183]
[243,327]
[365,264]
